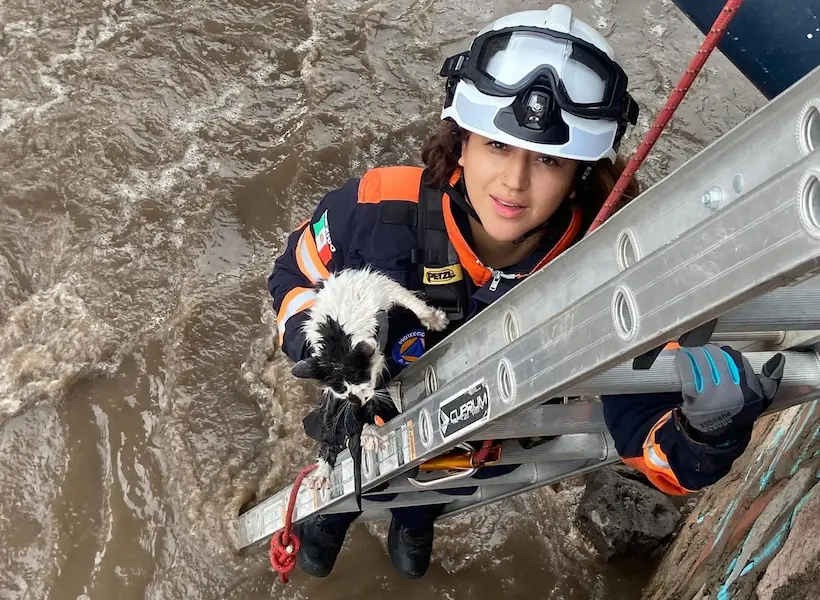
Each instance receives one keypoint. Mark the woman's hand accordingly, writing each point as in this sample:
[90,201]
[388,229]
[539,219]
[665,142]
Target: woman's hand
[722,395]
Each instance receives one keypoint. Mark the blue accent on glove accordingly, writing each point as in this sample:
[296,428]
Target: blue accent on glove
[713,370]
[696,374]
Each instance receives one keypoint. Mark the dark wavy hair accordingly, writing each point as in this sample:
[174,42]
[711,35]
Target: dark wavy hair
[442,150]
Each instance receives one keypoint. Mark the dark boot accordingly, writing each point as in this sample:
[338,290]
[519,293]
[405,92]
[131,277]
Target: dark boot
[410,549]
[320,539]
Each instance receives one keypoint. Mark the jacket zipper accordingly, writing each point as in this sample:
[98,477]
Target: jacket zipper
[497,277]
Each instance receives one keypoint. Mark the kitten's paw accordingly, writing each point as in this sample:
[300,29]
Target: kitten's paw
[435,321]
[320,477]
[371,440]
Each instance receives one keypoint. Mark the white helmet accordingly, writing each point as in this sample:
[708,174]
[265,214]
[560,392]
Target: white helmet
[543,81]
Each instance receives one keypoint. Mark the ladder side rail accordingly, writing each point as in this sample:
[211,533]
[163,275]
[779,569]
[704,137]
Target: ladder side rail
[546,473]
[755,151]
[584,446]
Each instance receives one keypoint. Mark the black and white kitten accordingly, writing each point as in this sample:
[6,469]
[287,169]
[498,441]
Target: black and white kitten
[343,332]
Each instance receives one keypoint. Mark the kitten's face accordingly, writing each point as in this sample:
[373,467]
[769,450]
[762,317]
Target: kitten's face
[347,370]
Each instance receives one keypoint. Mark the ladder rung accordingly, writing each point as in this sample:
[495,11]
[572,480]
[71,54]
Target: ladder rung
[598,446]
[803,369]
[566,447]
[760,337]
[526,473]
[794,308]
[416,498]
[801,376]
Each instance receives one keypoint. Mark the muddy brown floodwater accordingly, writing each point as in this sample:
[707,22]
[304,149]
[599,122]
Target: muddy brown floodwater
[153,157]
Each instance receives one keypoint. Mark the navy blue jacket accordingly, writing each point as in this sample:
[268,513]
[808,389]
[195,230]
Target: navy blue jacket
[347,231]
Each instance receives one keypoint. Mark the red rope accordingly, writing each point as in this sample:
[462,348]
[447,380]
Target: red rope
[284,545]
[480,457]
[672,103]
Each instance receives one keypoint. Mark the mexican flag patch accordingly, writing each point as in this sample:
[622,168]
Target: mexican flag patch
[324,245]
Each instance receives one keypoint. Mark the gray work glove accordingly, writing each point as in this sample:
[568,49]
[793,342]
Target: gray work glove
[722,395]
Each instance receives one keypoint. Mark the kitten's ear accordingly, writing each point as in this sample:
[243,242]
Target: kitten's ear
[306,369]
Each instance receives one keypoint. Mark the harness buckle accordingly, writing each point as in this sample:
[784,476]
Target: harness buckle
[459,462]
[460,458]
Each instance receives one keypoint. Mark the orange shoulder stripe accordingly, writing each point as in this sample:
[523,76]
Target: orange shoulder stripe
[661,481]
[307,258]
[390,183]
[656,464]
[296,300]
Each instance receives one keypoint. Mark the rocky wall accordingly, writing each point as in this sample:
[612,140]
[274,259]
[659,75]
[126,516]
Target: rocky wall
[755,534]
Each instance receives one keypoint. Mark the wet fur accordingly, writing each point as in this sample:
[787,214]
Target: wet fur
[342,334]
[341,415]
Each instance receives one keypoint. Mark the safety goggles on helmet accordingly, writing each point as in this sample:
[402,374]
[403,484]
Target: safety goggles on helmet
[580,78]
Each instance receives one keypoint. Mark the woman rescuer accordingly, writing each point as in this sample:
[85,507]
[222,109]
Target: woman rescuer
[523,160]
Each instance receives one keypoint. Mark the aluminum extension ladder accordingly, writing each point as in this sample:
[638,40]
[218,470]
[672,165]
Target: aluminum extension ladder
[733,234]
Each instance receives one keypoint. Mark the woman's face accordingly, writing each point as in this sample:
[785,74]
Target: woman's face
[513,190]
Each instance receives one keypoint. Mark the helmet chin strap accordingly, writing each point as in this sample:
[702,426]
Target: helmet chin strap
[459,196]
[531,232]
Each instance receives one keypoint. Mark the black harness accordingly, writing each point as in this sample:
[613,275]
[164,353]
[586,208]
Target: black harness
[439,269]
